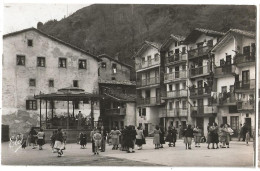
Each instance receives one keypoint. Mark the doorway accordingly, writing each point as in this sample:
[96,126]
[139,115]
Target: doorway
[248,125]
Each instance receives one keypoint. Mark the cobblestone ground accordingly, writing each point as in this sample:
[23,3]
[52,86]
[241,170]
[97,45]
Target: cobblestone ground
[238,155]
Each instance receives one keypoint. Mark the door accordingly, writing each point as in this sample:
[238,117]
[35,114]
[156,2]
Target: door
[177,89]
[200,107]
[147,96]
[224,120]
[234,124]
[177,73]
[177,55]
[146,129]
[157,77]
[200,87]
[177,103]
[158,95]
[200,48]
[228,67]
[245,79]
[248,125]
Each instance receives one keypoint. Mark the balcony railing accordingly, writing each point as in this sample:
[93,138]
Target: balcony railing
[176,58]
[198,52]
[175,112]
[116,112]
[200,110]
[149,63]
[244,58]
[224,70]
[178,93]
[175,75]
[149,101]
[199,71]
[244,85]
[226,98]
[147,82]
[200,91]
[245,105]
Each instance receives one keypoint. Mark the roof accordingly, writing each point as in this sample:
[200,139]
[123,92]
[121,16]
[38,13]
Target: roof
[52,38]
[145,44]
[126,82]
[119,96]
[194,34]
[177,38]
[109,57]
[226,38]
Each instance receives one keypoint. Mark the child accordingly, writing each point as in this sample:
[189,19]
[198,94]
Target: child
[97,139]
[247,137]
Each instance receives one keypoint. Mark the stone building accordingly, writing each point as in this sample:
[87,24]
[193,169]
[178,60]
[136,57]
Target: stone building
[118,105]
[234,69]
[34,63]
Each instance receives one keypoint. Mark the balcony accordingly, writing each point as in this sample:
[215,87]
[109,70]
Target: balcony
[224,71]
[149,101]
[116,112]
[148,64]
[245,106]
[177,94]
[175,59]
[175,112]
[198,52]
[148,82]
[175,76]
[200,92]
[226,99]
[199,71]
[244,86]
[244,59]
[203,111]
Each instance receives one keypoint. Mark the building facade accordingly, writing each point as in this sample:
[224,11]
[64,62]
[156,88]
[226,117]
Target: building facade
[34,63]
[118,106]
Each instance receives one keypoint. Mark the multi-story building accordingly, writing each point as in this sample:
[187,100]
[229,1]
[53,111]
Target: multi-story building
[117,108]
[234,69]
[34,63]
[149,84]
[201,83]
[174,57]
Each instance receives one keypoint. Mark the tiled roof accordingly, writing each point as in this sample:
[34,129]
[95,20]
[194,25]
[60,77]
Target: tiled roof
[52,38]
[209,31]
[244,32]
[178,37]
[154,44]
[113,93]
[109,57]
[126,82]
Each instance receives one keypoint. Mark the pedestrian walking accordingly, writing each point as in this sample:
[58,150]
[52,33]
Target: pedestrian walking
[83,140]
[244,131]
[229,133]
[92,140]
[103,141]
[97,137]
[240,132]
[33,137]
[169,136]
[247,137]
[214,135]
[180,132]
[52,139]
[140,139]
[161,134]
[188,135]
[223,135]
[133,137]
[59,143]
[197,136]
[115,138]
[41,138]
[156,137]
[24,143]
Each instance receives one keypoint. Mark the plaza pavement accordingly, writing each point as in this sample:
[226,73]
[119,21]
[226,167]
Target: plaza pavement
[238,155]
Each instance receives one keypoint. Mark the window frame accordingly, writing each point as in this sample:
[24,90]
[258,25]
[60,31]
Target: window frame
[39,60]
[103,65]
[51,80]
[114,71]
[76,81]
[19,57]
[34,105]
[30,41]
[60,62]
[82,60]
[30,81]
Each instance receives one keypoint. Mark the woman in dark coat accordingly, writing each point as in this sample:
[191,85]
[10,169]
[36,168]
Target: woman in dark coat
[214,135]
[33,136]
[161,134]
[169,137]
[129,143]
[188,137]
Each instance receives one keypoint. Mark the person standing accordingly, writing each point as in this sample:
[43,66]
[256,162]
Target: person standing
[52,138]
[197,136]
[139,137]
[133,137]
[222,136]
[247,137]
[240,132]
[41,137]
[80,117]
[92,140]
[214,135]
[169,137]
[244,131]
[188,134]
[59,143]
[33,135]
[161,134]
[103,141]
[156,137]
[115,138]
[97,137]
[180,132]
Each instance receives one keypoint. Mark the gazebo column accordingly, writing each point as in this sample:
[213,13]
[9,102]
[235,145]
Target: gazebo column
[52,109]
[40,113]
[73,106]
[68,122]
[46,115]
[92,112]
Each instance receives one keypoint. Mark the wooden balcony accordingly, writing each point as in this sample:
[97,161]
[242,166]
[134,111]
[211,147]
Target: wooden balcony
[203,111]
[226,99]
[148,82]
[151,101]
[175,76]
[199,71]
[116,112]
[176,94]
[244,59]
[175,112]
[245,106]
[224,71]
[245,86]
[202,51]
[200,92]
[148,64]
[176,59]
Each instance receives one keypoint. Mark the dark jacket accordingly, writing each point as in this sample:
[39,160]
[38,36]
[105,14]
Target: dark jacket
[59,137]
[189,132]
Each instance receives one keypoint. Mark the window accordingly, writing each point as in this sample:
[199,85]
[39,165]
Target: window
[246,50]
[170,87]
[210,43]
[51,83]
[85,102]
[114,69]
[184,86]
[156,57]
[32,82]
[20,59]
[176,44]
[41,61]
[104,65]
[183,50]
[210,101]
[62,62]
[143,59]
[232,109]
[75,83]
[144,111]
[170,70]
[31,105]
[224,89]
[140,112]
[82,64]
[170,105]
[30,42]
[76,104]
[184,104]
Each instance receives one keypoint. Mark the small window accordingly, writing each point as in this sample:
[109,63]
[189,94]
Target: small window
[20,59]
[51,83]
[32,82]
[156,57]
[76,104]
[176,44]
[113,78]
[31,105]
[210,101]
[184,85]
[30,42]
[114,69]
[184,104]
[82,64]
[170,87]
[140,111]
[144,111]
[41,61]
[170,105]
[210,43]
[143,59]
[183,50]
[62,62]
[104,65]
[75,83]
[246,50]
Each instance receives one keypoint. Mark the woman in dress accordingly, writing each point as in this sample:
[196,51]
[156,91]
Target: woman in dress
[222,136]
[103,141]
[188,134]
[139,137]
[215,139]
[169,137]
[33,135]
[41,137]
[197,136]
[115,138]
[229,133]
[162,133]
[156,137]
[59,142]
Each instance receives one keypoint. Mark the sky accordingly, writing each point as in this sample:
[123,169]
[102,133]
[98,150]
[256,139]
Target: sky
[20,16]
